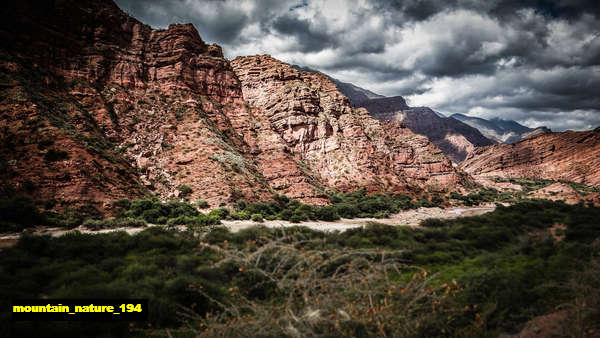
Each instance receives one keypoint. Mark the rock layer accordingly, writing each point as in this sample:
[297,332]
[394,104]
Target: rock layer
[453,137]
[162,103]
[97,106]
[570,156]
[342,146]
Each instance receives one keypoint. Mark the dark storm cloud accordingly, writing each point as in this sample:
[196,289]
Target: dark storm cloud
[419,10]
[531,60]
[215,20]
[309,39]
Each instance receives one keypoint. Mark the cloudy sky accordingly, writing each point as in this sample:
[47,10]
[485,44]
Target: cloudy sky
[537,62]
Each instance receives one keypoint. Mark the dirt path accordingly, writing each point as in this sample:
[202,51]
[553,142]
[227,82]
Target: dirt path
[410,218]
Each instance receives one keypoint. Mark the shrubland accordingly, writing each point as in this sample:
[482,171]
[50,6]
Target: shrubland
[21,212]
[472,276]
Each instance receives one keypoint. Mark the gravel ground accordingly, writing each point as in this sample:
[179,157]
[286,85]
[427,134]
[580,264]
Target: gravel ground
[410,218]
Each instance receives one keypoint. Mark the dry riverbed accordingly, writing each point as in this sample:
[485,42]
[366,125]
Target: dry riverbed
[410,218]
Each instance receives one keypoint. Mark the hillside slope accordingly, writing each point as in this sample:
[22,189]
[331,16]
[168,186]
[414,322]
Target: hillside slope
[504,131]
[344,147]
[453,137]
[570,156]
[97,106]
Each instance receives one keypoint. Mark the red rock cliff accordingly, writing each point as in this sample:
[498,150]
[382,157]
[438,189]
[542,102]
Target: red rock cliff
[97,106]
[157,102]
[343,147]
[571,156]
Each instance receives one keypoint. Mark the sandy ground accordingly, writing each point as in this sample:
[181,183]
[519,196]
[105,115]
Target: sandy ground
[410,218]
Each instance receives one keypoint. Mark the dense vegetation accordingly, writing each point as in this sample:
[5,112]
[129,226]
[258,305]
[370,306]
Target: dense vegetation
[472,276]
[20,212]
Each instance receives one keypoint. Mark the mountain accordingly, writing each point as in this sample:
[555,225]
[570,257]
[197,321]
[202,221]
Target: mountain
[505,131]
[570,156]
[354,93]
[453,137]
[97,106]
[344,146]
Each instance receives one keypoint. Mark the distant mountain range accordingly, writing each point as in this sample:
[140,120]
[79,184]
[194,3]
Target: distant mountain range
[503,131]
[454,138]
[456,135]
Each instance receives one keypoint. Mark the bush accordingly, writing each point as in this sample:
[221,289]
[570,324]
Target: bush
[202,204]
[199,220]
[152,210]
[257,218]
[327,213]
[432,223]
[220,213]
[382,214]
[184,190]
[298,218]
[285,214]
[19,213]
[111,223]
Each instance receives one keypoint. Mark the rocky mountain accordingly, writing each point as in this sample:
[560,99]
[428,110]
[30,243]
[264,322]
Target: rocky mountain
[570,156]
[453,137]
[504,131]
[343,146]
[353,92]
[96,106]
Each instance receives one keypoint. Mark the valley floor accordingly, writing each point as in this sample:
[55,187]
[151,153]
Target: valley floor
[410,218]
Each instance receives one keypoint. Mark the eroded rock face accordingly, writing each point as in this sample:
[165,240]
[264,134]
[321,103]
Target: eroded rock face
[97,106]
[454,138]
[161,103]
[342,147]
[571,156]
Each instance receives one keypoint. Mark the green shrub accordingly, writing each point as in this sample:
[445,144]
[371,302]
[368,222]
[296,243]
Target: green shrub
[432,223]
[220,213]
[327,213]
[111,223]
[19,213]
[346,210]
[382,214]
[202,204]
[198,220]
[184,190]
[257,218]
[285,214]
[298,218]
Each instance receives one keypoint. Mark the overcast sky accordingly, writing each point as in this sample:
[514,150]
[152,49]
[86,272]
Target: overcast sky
[538,64]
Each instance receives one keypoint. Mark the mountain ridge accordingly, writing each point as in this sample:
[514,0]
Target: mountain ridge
[121,110]
[569,156]
[504,131]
